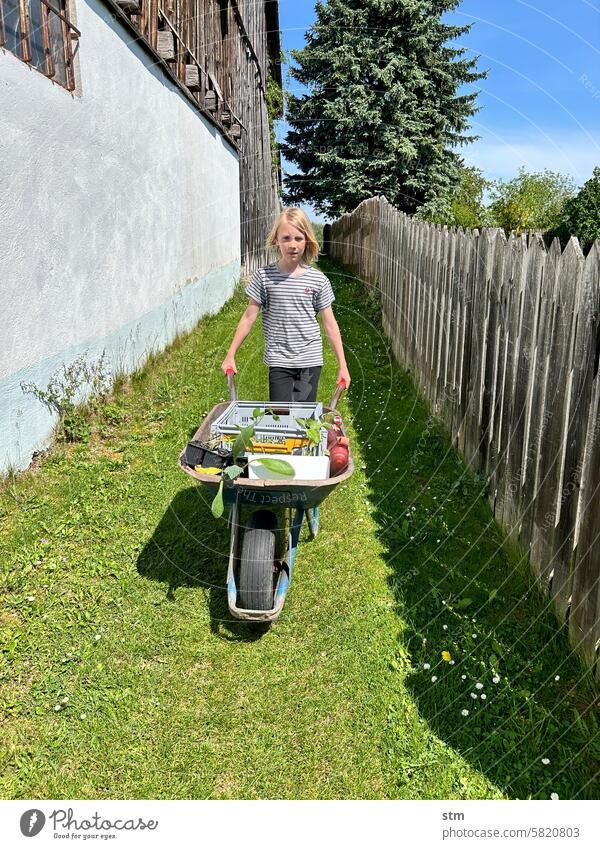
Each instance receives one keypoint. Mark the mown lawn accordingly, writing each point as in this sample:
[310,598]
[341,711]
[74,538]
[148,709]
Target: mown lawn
[122,675]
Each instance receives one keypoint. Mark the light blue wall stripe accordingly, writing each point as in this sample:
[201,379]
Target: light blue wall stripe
[25,424]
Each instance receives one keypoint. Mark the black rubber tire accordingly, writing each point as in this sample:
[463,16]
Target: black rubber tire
[255,590]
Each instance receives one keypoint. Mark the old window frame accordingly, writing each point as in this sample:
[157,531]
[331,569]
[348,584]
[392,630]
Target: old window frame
[50,44]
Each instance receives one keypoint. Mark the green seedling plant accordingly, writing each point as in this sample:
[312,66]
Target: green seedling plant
[243,442]
[313,429]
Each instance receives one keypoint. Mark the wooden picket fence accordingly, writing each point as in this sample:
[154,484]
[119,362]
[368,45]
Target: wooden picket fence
[503,337]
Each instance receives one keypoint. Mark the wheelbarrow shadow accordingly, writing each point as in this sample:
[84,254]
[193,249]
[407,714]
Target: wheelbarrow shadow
[190,548]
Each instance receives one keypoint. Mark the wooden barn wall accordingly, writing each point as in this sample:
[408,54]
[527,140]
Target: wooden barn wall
[221,51]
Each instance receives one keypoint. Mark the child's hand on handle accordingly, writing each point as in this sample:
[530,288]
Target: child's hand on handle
[343,377]
[228,365]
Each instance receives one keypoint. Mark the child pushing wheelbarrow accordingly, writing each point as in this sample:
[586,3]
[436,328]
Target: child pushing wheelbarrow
[272,464]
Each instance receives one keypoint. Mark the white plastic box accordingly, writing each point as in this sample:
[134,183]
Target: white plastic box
[306,468]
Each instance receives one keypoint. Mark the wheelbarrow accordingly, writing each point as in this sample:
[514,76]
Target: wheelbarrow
[263,544]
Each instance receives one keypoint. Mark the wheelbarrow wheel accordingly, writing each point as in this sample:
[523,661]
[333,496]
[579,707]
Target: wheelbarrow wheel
[256,562]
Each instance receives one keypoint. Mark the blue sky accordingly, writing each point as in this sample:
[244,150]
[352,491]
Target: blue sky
[541,99]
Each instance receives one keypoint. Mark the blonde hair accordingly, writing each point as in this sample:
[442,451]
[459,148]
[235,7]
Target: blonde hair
[297,218]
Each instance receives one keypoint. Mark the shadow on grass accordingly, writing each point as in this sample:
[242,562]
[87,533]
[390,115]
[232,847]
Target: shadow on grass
[190,548]
[462,588]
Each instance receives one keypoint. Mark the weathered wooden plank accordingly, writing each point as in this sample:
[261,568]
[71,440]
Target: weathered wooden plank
[465,367]
[495,266]
[539,416]
[478,348]
[584,617]
[584,352]
[552,449]
[523,384]
[521,315]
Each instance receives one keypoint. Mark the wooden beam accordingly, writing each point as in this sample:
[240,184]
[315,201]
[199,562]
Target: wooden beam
[210,101]
[165,45]
[132,7]
[192,77]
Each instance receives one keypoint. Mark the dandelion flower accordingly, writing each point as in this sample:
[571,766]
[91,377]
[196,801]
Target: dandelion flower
[433,679]
[479,686]
[554,796]
[426,666]
[483,696]
[446,656]
[473,695]
[496,679]
[557,677]
[545,761]
[464,712]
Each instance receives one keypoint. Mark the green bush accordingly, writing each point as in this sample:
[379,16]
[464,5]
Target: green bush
[582,214]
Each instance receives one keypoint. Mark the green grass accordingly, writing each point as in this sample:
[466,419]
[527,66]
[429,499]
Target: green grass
[113,570]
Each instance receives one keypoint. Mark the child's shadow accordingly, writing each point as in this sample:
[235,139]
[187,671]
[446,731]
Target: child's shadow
[190,548]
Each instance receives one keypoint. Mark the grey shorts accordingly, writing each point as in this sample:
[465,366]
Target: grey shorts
[293,384]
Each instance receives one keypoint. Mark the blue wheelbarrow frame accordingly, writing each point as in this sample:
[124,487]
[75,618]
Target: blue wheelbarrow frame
[300,497]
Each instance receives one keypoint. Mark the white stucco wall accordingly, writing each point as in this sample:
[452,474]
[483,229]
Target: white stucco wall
[119,219]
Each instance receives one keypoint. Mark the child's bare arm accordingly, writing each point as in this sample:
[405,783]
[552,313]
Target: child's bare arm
[332,331]
[243,329]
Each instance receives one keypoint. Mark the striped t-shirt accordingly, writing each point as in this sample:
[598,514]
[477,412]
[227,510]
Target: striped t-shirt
[289,306]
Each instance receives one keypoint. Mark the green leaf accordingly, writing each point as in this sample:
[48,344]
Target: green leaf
[242,441]
[233,472]
[217,506]
[492,595]
[239,447]
[464,602]
[280,467]
[257,413]
[247,433]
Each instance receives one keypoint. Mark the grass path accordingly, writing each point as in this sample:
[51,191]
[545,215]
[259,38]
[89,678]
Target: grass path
[112,572]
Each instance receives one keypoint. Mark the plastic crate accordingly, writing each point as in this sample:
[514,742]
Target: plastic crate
[282,436]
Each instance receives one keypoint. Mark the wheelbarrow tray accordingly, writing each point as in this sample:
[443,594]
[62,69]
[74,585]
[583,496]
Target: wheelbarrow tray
[304,494]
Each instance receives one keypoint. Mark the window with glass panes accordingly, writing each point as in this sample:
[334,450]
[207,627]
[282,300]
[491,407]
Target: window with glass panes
[40,33]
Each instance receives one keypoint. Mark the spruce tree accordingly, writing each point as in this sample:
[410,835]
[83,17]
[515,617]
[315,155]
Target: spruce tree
[383,108]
